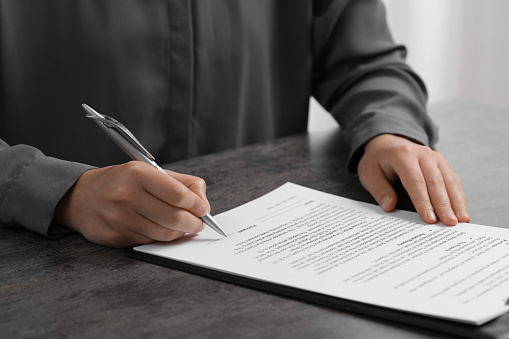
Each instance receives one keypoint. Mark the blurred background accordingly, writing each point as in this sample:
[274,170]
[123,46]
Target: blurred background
[459,47]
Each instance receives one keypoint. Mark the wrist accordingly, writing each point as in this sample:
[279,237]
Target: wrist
[68,207]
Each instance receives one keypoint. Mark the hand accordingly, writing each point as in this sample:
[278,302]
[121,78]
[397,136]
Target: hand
[133,204]
[431,183]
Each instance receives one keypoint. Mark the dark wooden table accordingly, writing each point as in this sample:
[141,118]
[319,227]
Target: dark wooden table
[72,288]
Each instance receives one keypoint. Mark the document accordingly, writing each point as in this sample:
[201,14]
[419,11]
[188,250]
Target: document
[317,242]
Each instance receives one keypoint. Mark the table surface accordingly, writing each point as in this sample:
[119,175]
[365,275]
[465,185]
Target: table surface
[72,288]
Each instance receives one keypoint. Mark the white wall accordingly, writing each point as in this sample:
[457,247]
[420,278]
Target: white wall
[459,47]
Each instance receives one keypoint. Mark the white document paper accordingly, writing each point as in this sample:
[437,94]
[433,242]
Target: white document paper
[306,239]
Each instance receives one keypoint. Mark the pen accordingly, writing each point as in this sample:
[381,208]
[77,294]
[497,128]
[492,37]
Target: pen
[128,142]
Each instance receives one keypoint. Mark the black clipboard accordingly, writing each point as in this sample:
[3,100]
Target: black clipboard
[495,329]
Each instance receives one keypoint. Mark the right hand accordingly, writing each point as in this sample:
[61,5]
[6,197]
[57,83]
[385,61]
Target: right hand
[132,204]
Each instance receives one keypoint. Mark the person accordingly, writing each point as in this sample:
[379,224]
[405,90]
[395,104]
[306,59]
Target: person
[191,78]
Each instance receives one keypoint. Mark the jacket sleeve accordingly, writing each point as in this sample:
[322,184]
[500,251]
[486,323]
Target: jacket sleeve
[31,185]
[361,77]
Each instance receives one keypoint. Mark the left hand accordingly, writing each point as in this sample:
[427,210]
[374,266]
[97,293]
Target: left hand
[431,183]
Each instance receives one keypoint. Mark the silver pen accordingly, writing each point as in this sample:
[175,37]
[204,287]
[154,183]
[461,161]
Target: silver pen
[128,142]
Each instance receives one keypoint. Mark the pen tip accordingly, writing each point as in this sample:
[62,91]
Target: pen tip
[207,219]
[219,230]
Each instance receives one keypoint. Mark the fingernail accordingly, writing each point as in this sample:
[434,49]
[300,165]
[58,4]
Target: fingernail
[203,225]
[202,211]
[385,202]
[431,215]
[451,216]
[463,214]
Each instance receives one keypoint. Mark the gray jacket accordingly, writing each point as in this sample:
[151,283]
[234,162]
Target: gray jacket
[187,78]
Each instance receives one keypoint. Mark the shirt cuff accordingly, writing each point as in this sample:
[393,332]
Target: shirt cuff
[385,123]
[35,192]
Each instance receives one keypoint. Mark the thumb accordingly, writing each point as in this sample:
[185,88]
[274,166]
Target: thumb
[376,183]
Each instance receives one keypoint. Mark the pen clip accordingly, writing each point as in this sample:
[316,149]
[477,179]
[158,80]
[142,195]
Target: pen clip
[110,122]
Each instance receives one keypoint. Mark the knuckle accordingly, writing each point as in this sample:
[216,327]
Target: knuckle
[428,151]
[135,169]
[179,194]
[403,149]
[417,181]
[379,192]
[200,183]
[415,149]
[422,203]
[440,158]
[178,218]
[114,217]
[119,194]
[453,181]
[436,181]
[442,205]
[169,234]
[434,156]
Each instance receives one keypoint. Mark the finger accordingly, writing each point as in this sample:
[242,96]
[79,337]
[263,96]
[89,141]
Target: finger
[438,192]
[168,216]
[374,180]
[173,192]
[137,230]
[195,184]
[110,235]
[455,191]
[129,239]
[412,179]
[156,232]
